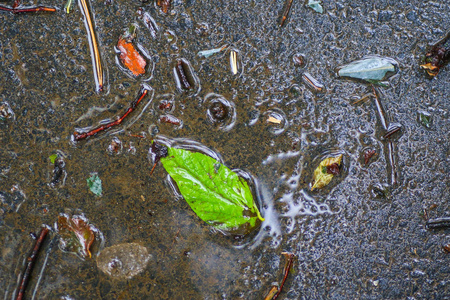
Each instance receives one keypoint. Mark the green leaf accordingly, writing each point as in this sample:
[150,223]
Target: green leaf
[53,158]
[215,193]
[95,184]
[372,68]
[425,119]
[315,5]
[321,176]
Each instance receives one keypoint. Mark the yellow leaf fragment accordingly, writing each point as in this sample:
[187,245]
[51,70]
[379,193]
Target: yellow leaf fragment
[321,177]
[273,120]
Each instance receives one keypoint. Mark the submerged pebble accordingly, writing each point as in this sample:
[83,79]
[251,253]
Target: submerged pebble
[123,261]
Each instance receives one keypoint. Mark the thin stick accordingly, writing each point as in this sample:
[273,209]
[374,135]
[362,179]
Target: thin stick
[390,143]
[365,97]
[286,12]
[439,223]
[30,263]
[133,105]
[44,264]
[391,132]
[27,10]
[98,71]
[287,268]
[380,109]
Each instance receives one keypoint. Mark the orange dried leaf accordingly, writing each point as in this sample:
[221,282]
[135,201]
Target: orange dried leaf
[76,235]
[130,57]
[164,4]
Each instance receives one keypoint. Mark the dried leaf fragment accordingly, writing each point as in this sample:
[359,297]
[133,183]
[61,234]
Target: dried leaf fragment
[437,57]
[77,235]
[130,57]
[326,171]
[164,4]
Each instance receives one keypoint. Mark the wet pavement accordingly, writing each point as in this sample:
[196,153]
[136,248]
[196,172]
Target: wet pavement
[361,237]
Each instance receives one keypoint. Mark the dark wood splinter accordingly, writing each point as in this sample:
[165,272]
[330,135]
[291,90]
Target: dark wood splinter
[80,136]
[182,76]
[439,223]
[30,263]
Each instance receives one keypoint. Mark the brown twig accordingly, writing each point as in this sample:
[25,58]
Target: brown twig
[286,12]
[30,263]
[287,268]
[27,10]
[80,136]
[98,70]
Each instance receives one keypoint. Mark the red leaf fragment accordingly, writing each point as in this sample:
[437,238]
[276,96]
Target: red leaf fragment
[333,169]
[368,155]
[77,235]
[130,57]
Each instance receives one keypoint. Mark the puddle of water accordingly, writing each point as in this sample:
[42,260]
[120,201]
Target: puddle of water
[345,237]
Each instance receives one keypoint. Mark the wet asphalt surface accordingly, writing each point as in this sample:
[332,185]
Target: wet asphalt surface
[361,237]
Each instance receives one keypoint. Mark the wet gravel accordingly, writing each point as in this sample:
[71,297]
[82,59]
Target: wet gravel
[359,238]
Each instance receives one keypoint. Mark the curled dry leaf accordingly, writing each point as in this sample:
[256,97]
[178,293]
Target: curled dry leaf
[76,235]
[327,169]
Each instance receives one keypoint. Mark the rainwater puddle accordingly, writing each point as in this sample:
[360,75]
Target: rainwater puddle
[252,105]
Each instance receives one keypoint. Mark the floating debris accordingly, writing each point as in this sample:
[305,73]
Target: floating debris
[438,223]
[68,6]
[16,10]
[370,69]
[393,128]
[80,136]
[368,155]
[446,248]
[164,4]
[6,112]
[326,170]
[312,83]
[129,56]
[299,60]
[30,263]
[123,261]
[315,5]
[184,75]
[287,9]
[115,147]
[170,119]
[59,170]
[275,291]
[151,25]
[93,45]
[95,184]
[273,120]
[211,52]
[437,57]
[76,235]
[220,112]
[425,118]
[234,62]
